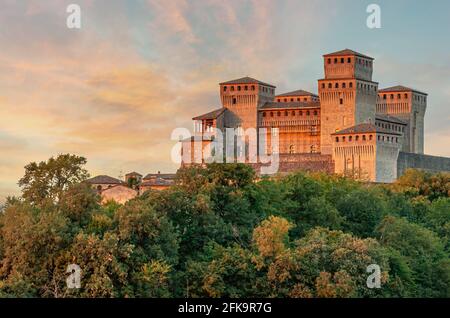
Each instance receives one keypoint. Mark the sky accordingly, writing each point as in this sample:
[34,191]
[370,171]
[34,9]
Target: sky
[113,90]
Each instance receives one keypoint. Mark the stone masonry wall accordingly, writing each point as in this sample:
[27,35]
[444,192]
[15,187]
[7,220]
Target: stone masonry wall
[424,162]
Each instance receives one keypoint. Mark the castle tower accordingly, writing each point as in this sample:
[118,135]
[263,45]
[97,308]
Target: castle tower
[347,94]
[242,98]
[410,106]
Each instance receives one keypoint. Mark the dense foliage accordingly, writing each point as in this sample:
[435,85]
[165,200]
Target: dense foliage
[221,232]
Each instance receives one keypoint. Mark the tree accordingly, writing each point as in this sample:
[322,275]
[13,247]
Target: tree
[47,180]
[271,236]
[416,183]
[362,210]
[424,252]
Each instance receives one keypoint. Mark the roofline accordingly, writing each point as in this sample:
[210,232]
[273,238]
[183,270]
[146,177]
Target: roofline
[395,120]
[366,132]
[389,90]
[290,95]
[351,54]
[116,185]
[259,83]
[348,78]
[219,110]
[288,107]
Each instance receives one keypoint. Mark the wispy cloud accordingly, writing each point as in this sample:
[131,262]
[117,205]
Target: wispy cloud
[114,90]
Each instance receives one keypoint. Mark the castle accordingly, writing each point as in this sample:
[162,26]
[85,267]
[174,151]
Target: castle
[351,127]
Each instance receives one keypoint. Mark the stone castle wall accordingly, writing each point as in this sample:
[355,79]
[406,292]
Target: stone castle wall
[302,161]
[423,162]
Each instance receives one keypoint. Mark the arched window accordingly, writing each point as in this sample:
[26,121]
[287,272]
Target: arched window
[335,60]
[285,100]
[350,138]
[246,87]
[239,87]
[234,101]
[279,100]
[399,96]
[224,88]
[357,138]
[253,87]
[286,113]
[370,137]
[291,149]
[301,113]
[278,114]
[337,139]
[330,85]
[329,61]
[336,85]
[323,85]
[307,113]
[292,99]
[350,85]
[384,96]
[364,137]
[264,114]
[343,85]
[349,60]
[271,114]
[293,113]
[305,99]
[343,138]
[342,60]
[315,113]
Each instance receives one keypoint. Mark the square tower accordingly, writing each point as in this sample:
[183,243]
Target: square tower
[347,94]
[242,98]
[409,105]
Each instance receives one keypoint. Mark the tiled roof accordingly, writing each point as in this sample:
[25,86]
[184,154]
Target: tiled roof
[134,173]
[103,179]
[364,128]
[282,105]
[211,115]
[158,182]
[298,92]
[389,118]
[170,176]
[400,88]
[115,186]
[348,52]
[246,80]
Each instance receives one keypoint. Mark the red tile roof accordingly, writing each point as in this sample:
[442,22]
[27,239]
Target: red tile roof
[298,92]
[246,80]
[211,115]
[399,88]
[103,179]
[391,119]
[364,128]
[348,52]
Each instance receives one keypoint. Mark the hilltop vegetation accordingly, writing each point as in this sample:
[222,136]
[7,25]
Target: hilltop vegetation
[218,233]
